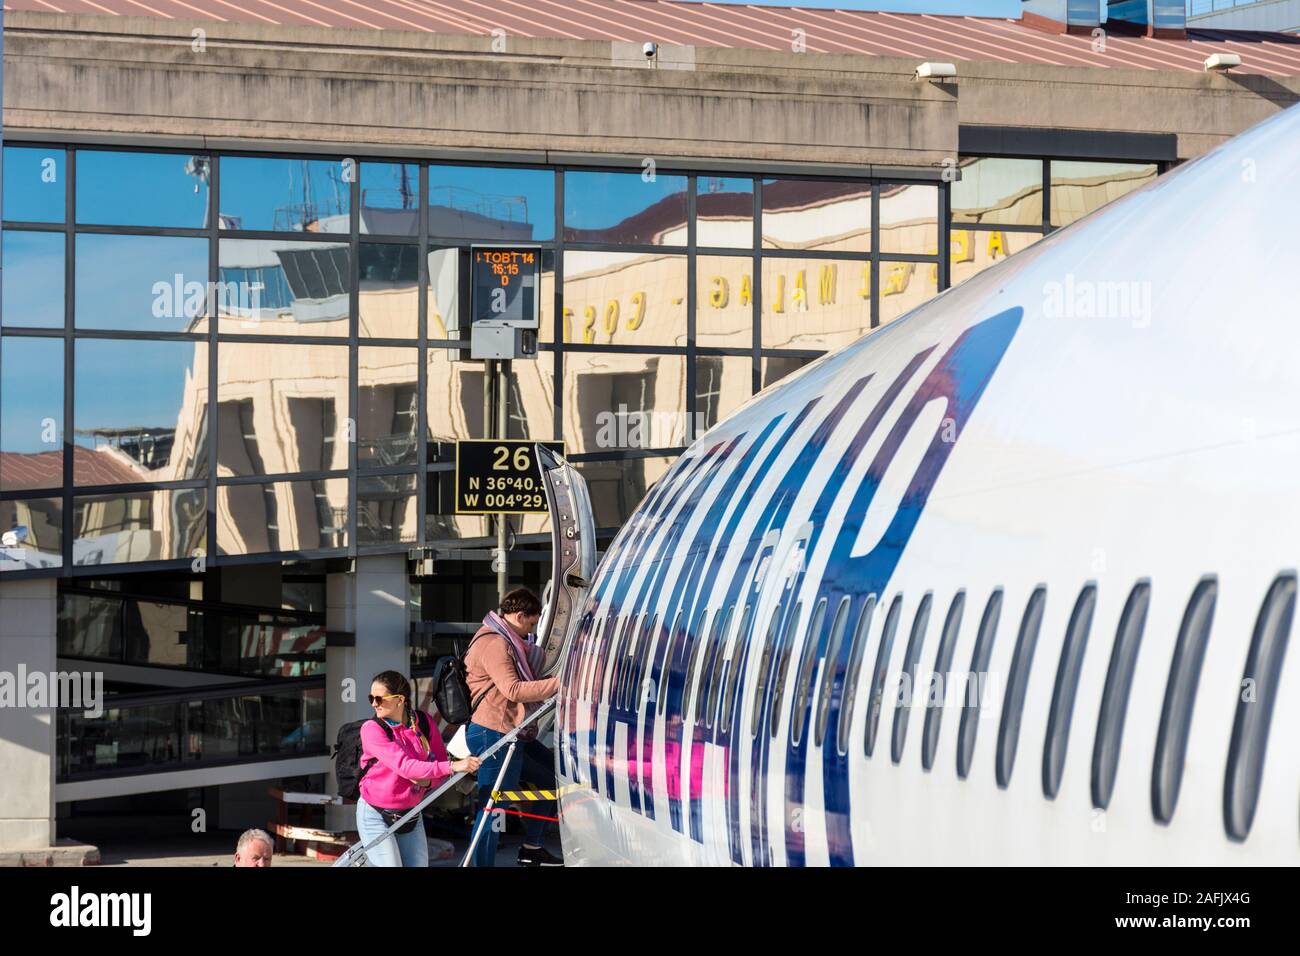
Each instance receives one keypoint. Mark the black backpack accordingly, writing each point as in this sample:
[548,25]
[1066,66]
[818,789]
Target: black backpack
[451,688]
[347,753]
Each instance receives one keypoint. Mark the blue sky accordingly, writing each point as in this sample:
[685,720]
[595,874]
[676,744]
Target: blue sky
[973,8]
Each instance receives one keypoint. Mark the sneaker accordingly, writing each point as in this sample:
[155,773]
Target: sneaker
[538,857]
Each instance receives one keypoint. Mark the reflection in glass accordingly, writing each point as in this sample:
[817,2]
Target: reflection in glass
[441,523]
[283,287]
[388,306]
[724,297]
[456,401]
[815,303]
[390,199]
[777,367]
[282,516]
[31,534]
[503,205]
[1078,188]
[909,219]
[141,283]
[90,625]
[624,208]
[904,286]
[617,487]
[444,320]
[724,212]
[142,189]
[282,408]
[143,738]
[1002,191]
[722,384]
[155,430]
[388,406]
[33,279]
[812,214]
[34,184]
[235,728]
[615,401]
[31,414]
[975,250]
[285,195]
[161,525]
[387,509]
[624,298]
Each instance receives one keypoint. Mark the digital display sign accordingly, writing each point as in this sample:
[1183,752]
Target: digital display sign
[505,284]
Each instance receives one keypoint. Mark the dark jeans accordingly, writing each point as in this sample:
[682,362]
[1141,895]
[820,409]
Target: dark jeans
[531,762]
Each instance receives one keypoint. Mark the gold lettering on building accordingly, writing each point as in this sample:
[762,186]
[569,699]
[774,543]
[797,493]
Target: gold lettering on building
[779,304]
[720,293]
[864,291]
[799,297]
[638,311]
[589,324]
[997,244]
[746,292]
[899,276]
[611,317]
[826,285]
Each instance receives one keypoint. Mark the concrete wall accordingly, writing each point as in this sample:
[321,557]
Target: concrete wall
[28,618]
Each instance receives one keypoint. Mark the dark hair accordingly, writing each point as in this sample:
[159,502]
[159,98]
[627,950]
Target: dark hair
[397,683]
[521,599]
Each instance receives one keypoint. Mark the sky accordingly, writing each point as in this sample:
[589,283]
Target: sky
[972,8]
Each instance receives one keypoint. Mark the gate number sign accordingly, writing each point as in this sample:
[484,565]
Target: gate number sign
[500,476]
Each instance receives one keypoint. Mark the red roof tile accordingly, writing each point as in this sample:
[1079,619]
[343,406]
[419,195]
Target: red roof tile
[920,36]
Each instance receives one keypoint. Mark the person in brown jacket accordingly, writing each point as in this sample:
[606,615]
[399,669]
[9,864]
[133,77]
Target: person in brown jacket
[501,665]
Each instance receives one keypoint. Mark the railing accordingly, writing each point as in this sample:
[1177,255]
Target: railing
[193,728]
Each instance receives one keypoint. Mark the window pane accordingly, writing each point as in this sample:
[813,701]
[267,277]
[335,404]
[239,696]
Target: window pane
[282,516]
[386,509]
[724,212]
[480,202]
[388,298]
[285,195]
[141,283]
[809,214]
[145,526]
[155,430]
[973,250]
[776,367]
[142,189]
[283,287]
[31,534]
[33,279]
[815,303]
[34,187]
[454,392]
[390,199]
[621,298]
[909,219]
[388,409]
[614,401]
[724,296]
[444,320]
[282,409]
[624,208]
[722,384]
[1080,187]
[441,523]
[1002,191]
[904,286]
[617,487]
[31,414]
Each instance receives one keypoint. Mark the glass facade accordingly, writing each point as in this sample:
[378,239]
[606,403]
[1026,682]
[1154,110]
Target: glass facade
[265,357]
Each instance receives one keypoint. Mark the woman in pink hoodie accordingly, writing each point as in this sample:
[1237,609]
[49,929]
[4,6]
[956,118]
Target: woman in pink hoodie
[401,760]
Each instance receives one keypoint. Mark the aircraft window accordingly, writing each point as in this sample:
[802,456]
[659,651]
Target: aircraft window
[849,693]
[1067,683]
[979,668]
[764,664]
[640,689]
[791,628]
[1255,710]
[1180,699]
[720,667]
[1014,703]
[708,663]
[665,663]
[807,658]
[1114,699]
[906,687]
[875,701]
[838,627]
[942,667]
[733,671]
[697,651]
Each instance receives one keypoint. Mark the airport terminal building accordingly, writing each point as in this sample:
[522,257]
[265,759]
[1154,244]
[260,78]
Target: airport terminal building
[235,349]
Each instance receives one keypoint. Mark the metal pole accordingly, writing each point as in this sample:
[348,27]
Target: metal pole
[487,807]
[503,431]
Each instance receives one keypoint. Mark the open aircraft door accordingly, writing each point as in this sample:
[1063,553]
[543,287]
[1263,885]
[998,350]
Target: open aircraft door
[573,545]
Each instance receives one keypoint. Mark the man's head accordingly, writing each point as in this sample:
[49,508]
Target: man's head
[254,848]
[521,610]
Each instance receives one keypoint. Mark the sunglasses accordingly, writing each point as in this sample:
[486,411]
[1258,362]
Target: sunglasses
[376,701]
